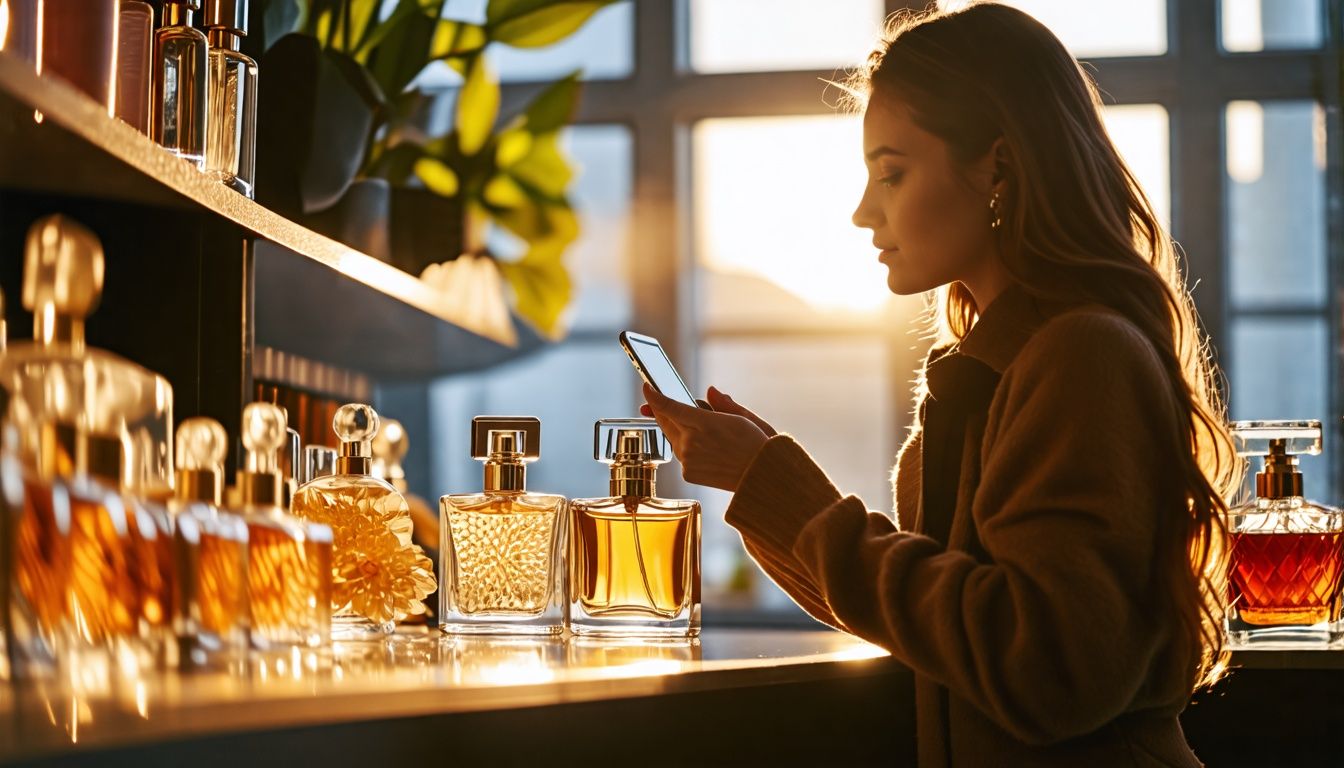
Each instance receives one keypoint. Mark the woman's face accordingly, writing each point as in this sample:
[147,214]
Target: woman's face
[929,215]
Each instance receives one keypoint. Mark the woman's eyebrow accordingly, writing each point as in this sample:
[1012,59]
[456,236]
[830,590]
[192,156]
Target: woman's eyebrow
[873,154]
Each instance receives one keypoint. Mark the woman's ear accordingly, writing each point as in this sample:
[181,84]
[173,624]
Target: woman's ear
[1002,159]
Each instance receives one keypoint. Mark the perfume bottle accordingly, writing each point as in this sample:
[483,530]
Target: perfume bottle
[379,577]
[231,128]
[1286,565]
[389,448]
[135,46]
[635,565]
[289,559]
[93,442]
[211,546]
[178,122]
[503,550]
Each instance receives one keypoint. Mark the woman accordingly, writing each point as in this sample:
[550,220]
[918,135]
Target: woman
[1060,499]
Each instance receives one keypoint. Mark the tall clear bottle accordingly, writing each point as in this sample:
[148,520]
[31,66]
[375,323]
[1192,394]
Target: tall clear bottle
[211,548]
[179,120]
[231,130]
[379,576]
[503,550]
[635,561]
[88,428]
[289,559]
[1286,568]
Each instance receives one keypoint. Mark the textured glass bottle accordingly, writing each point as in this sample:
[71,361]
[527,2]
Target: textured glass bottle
[379,576]
[231,129]
[635,564]
[289,559]
[1286,567]
[91,561]
[211,547]
[503,550]
[178,122]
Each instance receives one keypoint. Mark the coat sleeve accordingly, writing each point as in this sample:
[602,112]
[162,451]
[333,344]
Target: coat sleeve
[1054,637]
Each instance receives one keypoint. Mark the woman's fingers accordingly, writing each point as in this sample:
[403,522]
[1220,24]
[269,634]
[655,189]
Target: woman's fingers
[722,403]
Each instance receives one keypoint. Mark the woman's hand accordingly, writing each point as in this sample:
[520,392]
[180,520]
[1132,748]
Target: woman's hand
[714,447]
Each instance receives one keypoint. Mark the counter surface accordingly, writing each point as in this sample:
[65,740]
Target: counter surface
[416,672]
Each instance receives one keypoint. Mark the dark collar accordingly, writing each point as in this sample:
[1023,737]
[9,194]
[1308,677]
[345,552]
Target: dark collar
[1004,327]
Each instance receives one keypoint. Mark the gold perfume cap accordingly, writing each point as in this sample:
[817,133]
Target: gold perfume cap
[226,14]
[1280,443]
[263,434]
[355,425]
[389,448]
[634,448]
[506,443]
[201,446]
[62,279]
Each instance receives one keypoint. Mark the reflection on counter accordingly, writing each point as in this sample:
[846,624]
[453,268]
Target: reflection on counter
[103,700]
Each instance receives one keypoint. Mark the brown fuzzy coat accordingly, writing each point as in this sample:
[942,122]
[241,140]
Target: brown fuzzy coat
[1052,648]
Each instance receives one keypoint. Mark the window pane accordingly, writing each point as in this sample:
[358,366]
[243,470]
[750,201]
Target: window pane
[773,238]
[1140,133]
[568,387]
[836,397]
[603,47]
[601,195]
[1278,371]
[762,35]
[1276,203]
[1098,27]
[1257,25]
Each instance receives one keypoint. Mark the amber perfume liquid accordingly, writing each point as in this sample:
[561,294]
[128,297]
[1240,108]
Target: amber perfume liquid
[42,559]
[289,585]
[178,121]
[503,563]
[635,567]
[103,589]
[1287,578]
[232,124]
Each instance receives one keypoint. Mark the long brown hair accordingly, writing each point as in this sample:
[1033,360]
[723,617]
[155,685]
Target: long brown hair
[1076,228]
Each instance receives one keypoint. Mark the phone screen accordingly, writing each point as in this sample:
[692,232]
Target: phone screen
[653,363]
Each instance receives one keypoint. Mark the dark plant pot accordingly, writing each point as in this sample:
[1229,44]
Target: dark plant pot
[315,109]
[425,229]
[359,219]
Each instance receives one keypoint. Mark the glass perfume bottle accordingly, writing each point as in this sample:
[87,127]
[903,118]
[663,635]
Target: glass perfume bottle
[178,122]
[93,443]
[1286,565]
[503,550]
[135,46]
[635,565]
[231,128]
[379,576]
[211,547]
[289,559]
[389,448]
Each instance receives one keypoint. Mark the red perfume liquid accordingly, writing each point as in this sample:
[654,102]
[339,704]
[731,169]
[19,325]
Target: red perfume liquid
[1287,578]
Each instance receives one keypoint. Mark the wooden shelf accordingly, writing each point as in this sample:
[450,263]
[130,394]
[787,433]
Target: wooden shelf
[314,296]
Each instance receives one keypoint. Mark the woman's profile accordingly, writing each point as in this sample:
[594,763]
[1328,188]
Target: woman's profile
[1052,575]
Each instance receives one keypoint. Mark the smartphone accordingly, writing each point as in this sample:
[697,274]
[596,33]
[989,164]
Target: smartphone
[655,367]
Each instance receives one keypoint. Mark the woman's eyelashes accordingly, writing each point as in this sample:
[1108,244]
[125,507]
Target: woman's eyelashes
[891,179]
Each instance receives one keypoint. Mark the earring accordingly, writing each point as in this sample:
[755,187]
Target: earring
[996,216]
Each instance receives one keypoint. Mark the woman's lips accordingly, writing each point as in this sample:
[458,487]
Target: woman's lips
[887,253]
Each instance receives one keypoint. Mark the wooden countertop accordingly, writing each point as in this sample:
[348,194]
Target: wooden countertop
[417,672]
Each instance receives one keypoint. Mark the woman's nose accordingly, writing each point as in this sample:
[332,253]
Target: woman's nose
[865,215]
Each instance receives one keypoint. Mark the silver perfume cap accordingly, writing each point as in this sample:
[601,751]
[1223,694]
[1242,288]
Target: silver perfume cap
[1279,443]
[506,443]
[226,14]
[634,448]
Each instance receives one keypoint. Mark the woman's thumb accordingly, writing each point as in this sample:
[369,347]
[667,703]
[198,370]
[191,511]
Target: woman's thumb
[723,403]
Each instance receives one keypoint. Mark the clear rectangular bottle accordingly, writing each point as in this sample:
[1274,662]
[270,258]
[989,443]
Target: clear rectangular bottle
[179,119]
[231,130]
[379,576]
[211,550]
[503,550]
[92,431]
[135,48]
[635,560]
[289,559]
[1286,564]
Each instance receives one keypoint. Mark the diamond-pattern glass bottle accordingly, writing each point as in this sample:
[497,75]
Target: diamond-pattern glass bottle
[379,576]
[1286,565]
[503,550]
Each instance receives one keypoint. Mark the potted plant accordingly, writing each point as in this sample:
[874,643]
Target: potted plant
[339,105]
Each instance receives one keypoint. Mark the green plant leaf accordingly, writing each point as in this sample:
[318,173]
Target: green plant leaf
[514,145]
[456,38]
[554,107]
[477,107]
[437,176]
[540,281]
[401,50]
[545,167]
[544,25]
[503,192]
